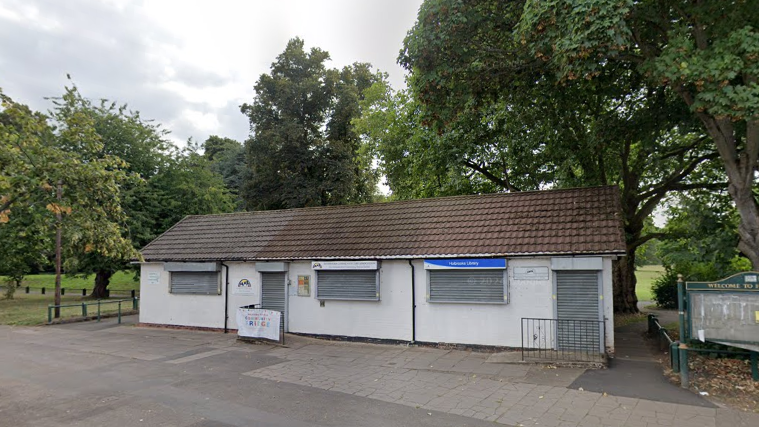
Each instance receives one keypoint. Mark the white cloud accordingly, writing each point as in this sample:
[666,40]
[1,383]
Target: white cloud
[186,64]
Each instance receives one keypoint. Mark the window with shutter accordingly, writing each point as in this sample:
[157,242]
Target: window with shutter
[467,286]
[195,283]
[347,285]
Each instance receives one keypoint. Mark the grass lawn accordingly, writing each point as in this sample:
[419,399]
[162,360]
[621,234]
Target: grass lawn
[121,281]
[31,309]
[646,276]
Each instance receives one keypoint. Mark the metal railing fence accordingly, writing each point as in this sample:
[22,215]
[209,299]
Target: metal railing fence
[99,303]
[570,340]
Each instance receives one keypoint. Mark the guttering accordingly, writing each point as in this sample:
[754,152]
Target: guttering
[413,301]
[401,257]
[226,298]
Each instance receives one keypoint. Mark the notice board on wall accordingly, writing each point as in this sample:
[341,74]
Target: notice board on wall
[258,323]
[304,285]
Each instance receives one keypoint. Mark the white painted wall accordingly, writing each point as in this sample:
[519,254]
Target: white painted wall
[237,272]
[484,324]
[159,306]
[389,318]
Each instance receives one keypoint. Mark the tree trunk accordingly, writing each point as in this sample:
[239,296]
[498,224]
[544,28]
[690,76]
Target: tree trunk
[625,300]
[741,166]
[102,280]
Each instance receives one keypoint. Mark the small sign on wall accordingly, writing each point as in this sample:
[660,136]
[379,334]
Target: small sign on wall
[304,286]
[243,287]
[344,265]
[530,273]
[154,278]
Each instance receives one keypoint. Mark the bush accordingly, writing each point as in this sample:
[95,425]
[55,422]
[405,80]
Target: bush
[664,289]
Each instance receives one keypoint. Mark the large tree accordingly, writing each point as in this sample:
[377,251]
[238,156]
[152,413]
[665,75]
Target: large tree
[303,150]
[167,184]
[502,113]
[141,145]
[704,51]
[58,163]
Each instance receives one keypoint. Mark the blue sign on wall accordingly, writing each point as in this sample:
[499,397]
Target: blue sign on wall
[491,263]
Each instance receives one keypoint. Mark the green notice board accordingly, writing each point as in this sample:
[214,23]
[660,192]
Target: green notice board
[725,311]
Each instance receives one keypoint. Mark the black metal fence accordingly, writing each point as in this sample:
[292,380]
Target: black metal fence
[563,340]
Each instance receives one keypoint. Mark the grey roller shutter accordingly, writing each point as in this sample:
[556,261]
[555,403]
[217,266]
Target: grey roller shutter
[194,283]
[273,291]
[577,310]
[347,285]
[466,286]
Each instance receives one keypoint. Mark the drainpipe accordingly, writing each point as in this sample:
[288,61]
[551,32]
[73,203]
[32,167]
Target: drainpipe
[226,298]
[413,301]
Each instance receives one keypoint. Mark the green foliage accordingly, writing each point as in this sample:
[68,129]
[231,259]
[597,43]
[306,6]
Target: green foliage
[187,186]
[303,150]
[414,159]
[123,184]
[94,216]
[25,244]
[705,52]
[664,289]
[500,85]
[39,157]
[701,245]
[703,239]
[227,158]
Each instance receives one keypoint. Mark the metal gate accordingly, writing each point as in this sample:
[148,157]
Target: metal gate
[274,294]
[577,311]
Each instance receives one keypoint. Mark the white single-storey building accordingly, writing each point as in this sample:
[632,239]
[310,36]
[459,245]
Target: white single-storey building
[459,270]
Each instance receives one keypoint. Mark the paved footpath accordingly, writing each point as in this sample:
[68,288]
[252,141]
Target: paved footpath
[456,382]
[436,383]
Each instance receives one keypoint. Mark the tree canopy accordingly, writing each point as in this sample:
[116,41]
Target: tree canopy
[121,185]
[303,150]
[498,106]
[705,52]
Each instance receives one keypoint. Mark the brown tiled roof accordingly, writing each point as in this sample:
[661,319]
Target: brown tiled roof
[571,221]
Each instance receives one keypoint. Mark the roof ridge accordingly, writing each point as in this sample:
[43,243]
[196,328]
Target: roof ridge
[400,202]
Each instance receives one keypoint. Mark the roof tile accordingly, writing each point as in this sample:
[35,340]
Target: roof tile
[580,221]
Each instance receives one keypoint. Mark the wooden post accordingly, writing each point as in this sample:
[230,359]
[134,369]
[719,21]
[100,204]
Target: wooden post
[58,224]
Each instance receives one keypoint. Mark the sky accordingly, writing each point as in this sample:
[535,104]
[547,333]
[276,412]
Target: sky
[185,64]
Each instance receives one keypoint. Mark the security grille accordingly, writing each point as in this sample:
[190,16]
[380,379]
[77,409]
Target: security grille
[539,340]
[273,291]
[577,299]
[347,285]
[195,283]
[466,286]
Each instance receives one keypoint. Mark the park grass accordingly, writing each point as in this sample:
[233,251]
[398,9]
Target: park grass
[121,281]
[646,276]
[31,309]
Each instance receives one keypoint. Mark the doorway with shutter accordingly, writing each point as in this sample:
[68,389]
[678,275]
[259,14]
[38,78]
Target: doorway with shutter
[274,294]
[578,315]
